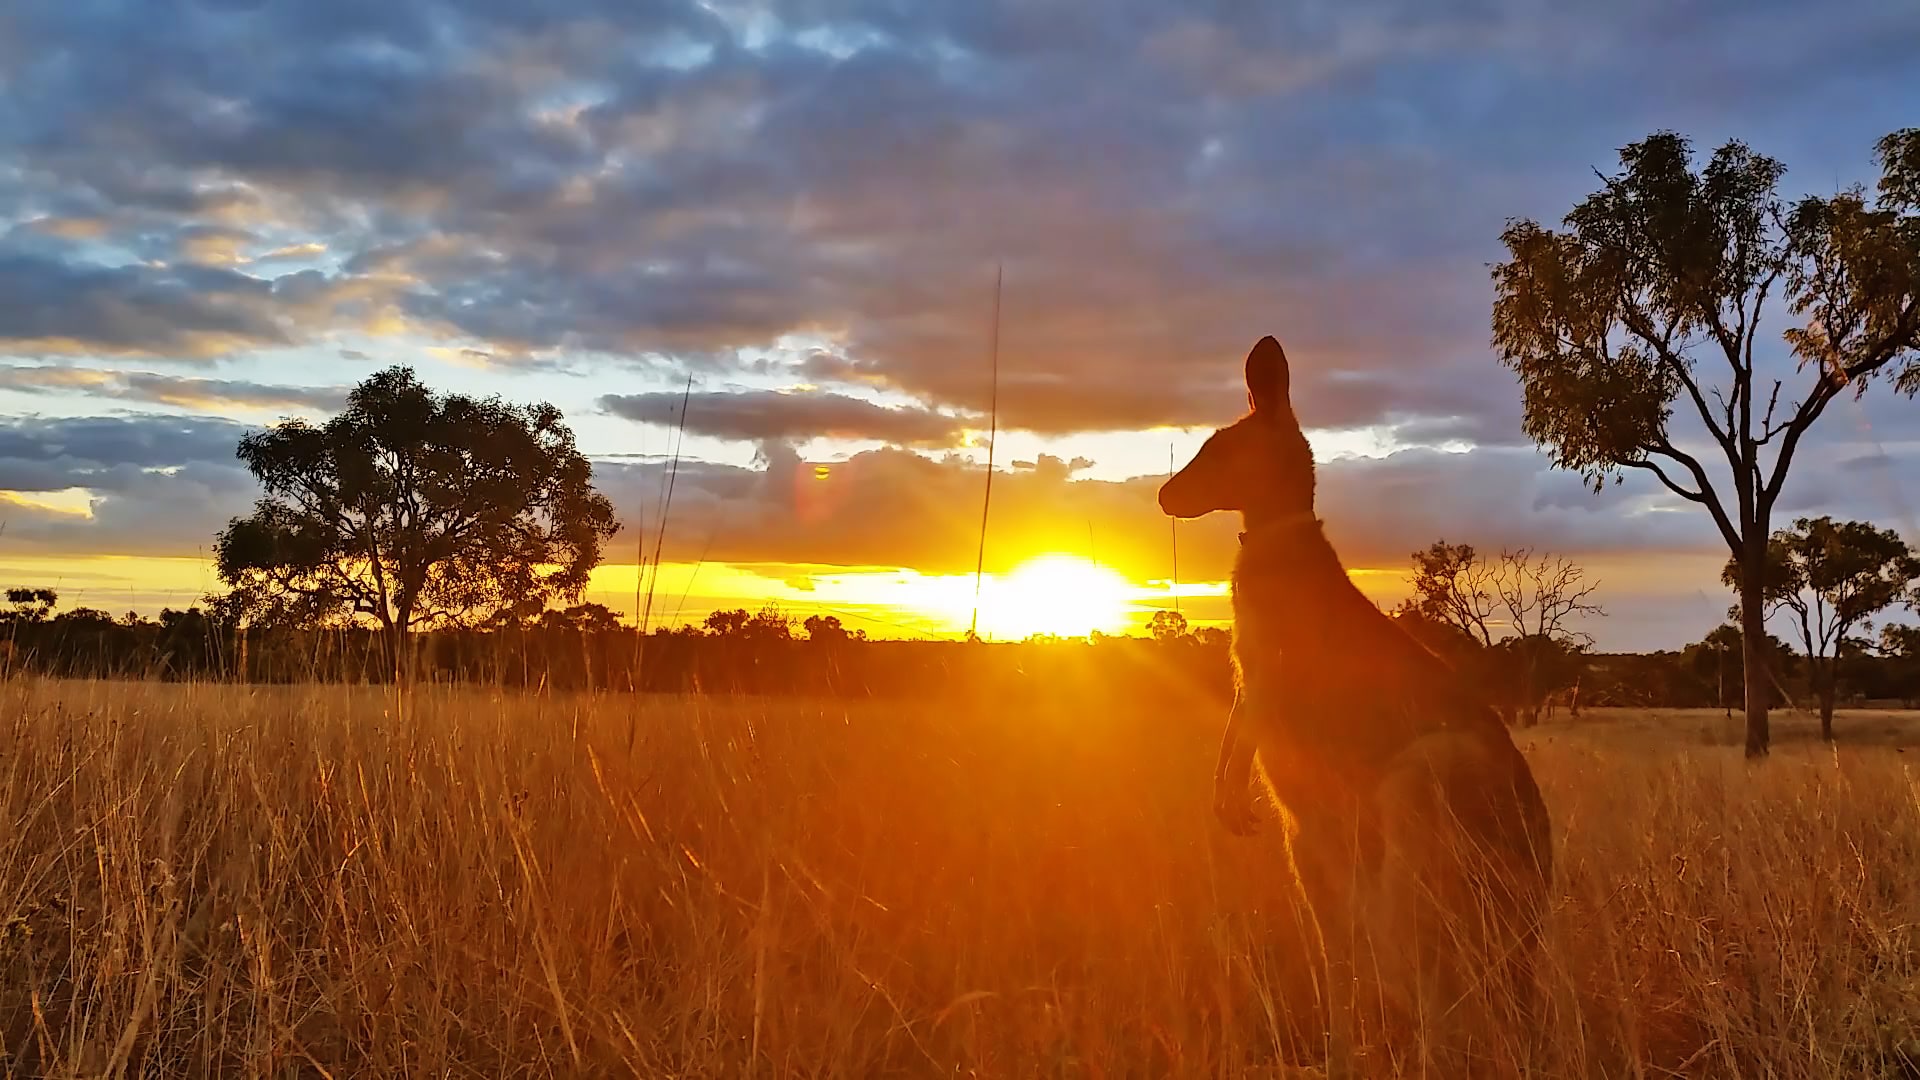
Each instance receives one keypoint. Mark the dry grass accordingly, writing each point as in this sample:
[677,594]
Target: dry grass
[203,880]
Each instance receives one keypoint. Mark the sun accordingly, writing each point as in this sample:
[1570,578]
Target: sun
[1064,595]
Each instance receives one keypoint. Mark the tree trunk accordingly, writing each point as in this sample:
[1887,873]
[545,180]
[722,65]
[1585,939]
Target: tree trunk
[1753,644]
[400,652]
[1826,686]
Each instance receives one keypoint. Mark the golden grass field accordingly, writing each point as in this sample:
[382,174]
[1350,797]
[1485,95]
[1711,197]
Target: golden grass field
[207,879]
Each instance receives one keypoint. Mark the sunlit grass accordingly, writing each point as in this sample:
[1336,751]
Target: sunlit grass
[304,881]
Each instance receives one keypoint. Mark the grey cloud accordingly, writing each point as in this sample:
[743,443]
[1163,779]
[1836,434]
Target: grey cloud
[49,306]
[897,508]
[175,390]
[173,513]
[1382,507]
[1053,466]
[683,180]
[50,454]
[60,306]
[1493,427]
[1880,462]
[208,393]
[888,508]
[1378,511]
[158,485]
[764,415]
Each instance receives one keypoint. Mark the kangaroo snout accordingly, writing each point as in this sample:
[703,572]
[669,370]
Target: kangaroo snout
[1177,499]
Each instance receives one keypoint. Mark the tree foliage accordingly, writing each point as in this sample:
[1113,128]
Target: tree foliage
[1649,301]
[829,630]
[1453,586]
[29,605]
[766,625]
[1166,626]
[581,619]
[1832,577]
[1511,616]
[414,509]
[1900,640]
[1899,647]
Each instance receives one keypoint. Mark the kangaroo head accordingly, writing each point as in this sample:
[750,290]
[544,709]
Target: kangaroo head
[1260,466]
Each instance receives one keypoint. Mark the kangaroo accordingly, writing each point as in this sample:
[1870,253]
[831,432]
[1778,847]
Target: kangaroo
[1420,842]
[1568,696]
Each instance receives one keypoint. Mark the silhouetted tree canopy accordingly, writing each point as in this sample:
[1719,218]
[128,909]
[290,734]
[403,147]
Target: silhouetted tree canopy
[767,624]
[827,629]
[1167,626]
[1901,641]
[1832,577]
[414,509]
[581,619]
[1452,587]
[1650,300]
[29,605]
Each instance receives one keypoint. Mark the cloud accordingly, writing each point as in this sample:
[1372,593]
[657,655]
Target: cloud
[897,508]
[175,390]
[215,245]
[1052,466]
[105,442]
[55,306]
[156,485]
[694,180]
[50,306]
[165,514]
[767,415]
[166,486]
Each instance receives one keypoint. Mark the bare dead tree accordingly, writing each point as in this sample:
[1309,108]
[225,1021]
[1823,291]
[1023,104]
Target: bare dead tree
[1518,608]
[1541,593]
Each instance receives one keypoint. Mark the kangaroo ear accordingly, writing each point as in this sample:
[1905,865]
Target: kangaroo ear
[1267,376]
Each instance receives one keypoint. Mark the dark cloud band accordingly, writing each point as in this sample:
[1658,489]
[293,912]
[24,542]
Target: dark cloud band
[764,415]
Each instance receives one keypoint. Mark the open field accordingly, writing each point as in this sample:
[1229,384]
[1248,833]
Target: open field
[203,879]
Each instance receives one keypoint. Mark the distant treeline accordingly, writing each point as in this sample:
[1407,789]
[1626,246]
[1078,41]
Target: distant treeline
[757,655]
[585,648]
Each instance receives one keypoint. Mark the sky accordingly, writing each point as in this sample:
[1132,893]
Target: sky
[217,214]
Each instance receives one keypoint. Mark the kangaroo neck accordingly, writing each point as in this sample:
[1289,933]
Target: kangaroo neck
[1287,565]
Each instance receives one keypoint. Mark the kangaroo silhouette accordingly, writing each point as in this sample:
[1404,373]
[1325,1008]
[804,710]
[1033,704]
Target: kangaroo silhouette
[1418,836]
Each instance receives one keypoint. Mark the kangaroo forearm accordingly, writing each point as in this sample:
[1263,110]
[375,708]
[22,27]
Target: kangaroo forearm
[1236,751]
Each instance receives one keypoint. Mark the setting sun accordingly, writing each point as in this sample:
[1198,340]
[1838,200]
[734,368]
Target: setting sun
[1055,594]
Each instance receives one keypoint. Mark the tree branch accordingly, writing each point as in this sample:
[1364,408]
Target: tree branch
[1637,323]
[1806,627]
[1902,336]
[1753,326]
[1654,467]
[1808,411]
[1767,429]
[1729,343]
[1704,494]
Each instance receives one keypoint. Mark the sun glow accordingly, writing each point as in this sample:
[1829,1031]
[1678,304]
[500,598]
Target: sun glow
[1064,595]
[1055,594]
